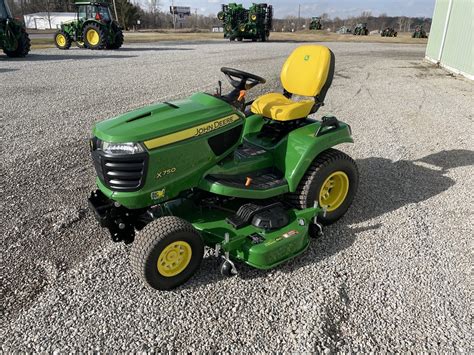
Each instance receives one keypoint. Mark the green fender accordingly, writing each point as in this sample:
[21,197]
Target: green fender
[294,155]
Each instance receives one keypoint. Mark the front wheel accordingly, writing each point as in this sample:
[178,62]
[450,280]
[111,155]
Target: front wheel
[62,40]
[166,253]
[331,181]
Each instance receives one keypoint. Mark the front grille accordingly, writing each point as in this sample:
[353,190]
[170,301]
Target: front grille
[121,173]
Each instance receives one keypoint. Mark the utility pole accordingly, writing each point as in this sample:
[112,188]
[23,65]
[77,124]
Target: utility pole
[195,18]
[299,16]
[174,15]
[115,10]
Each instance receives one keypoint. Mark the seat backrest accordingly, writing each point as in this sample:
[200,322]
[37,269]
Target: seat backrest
[308,71]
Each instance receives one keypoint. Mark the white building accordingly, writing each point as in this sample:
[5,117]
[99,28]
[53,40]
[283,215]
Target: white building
[45,20]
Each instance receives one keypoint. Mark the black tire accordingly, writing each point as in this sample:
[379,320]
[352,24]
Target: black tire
[23,47]
[101,41]
[118,40]
[309,188]
[150,243]
[62,40]
[240,39]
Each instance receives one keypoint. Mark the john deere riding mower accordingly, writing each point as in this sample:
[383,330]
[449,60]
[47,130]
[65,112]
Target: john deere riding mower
[316,24]
[389,32]
[361,30]
[13,37]
[251,185]
[94,28]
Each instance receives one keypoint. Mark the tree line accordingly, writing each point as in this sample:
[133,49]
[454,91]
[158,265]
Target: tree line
[399,23]
[152,15]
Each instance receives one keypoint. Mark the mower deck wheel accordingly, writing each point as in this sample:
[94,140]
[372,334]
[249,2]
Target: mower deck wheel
[166,253]
[227,269]
[331,181]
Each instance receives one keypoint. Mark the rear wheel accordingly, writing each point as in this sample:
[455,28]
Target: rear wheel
[118,40]
[62,40]
[331,181]
[94,36]
[23,46]
[166,253]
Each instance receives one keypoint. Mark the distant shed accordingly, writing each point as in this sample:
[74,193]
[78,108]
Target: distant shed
[450,43]
[48,20]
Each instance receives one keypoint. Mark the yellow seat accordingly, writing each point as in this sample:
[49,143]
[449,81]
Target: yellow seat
[308,71]
[281,108]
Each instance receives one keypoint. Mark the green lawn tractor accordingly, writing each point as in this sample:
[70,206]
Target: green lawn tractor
[94,28]
[13,37]
[419,32]
[253,185]
[389,32]
[361,30]
[316,24]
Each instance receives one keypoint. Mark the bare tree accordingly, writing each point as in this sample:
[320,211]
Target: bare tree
[401,23]
[154,8]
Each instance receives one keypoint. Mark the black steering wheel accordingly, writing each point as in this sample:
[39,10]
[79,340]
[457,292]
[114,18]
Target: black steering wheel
[247,80]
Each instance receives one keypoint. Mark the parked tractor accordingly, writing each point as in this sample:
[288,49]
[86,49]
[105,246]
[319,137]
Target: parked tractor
[231,16]
[13,37]
[94,28]
[343,30]
[389,32]
[361,30]
[419,32]
[240,23]
[316,24]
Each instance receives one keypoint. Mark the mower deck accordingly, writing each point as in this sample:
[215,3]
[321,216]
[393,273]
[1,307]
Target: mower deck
[258,247]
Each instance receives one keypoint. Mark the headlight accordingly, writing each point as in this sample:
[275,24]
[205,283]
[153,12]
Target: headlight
[120,148]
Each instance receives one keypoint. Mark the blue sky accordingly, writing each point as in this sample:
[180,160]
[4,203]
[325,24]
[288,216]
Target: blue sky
[341,8]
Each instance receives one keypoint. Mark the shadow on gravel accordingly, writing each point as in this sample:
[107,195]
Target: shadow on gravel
[7,70]
[385,186]
[152,49]
[54,57]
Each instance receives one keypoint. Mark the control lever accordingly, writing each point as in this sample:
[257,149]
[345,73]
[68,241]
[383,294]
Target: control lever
[219,89]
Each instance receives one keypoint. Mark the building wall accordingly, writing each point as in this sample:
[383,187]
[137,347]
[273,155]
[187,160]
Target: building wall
[457,53]
[40,20]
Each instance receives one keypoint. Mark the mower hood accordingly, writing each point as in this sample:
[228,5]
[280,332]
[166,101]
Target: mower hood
[162,119]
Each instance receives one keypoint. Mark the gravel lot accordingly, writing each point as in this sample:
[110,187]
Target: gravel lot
[392,275]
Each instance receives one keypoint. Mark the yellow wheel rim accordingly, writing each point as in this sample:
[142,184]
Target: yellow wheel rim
[93,37]
[334,191]
[61,40]
[253,17]
[174,258]
[242,28]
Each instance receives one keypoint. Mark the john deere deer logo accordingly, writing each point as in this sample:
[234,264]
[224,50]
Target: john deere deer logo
[306,57]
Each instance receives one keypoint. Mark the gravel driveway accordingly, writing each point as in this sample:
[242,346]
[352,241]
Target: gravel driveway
[392,275]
